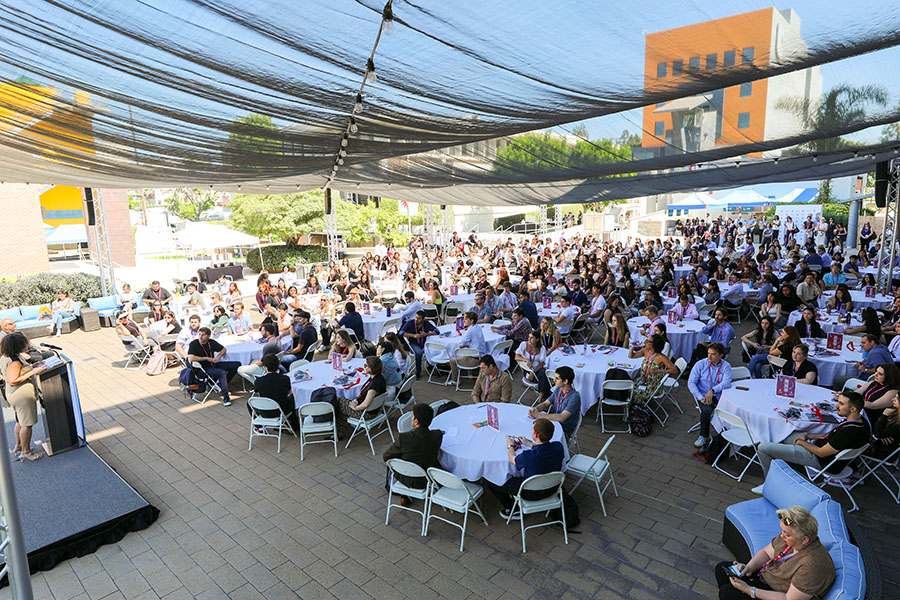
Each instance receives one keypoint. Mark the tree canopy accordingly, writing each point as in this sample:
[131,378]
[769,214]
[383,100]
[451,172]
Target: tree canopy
[544,151]
[189,203]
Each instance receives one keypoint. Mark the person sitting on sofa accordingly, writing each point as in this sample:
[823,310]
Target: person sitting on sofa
[794,566]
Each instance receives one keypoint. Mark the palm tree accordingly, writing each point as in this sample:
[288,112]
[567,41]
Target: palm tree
[840,106]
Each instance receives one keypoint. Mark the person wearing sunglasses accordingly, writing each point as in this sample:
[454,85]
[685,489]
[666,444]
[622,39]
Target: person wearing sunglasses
[794,565]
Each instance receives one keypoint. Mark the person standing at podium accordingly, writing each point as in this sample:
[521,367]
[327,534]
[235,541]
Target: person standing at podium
[20,392]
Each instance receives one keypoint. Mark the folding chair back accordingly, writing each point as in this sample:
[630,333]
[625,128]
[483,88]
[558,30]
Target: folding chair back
[740,373]
[328,429]
[311,351]
[502,322]
[404,423]
[389,325]
[259,425]
[547,481]
[853,384]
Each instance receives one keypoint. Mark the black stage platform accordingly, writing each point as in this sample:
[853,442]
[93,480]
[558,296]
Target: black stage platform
[72,503]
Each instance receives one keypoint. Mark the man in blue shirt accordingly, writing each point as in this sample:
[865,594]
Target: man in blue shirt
[564,403]
[707,380]
[540,456]
[352,320]
[719,330]
[415,332]
[834,278]
[579,298]
[529,308]
[851,266]
[878,354]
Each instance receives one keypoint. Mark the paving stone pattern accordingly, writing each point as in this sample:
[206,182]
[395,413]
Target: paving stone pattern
[239,524]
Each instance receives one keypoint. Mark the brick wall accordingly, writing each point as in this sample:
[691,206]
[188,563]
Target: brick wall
[121,240]
[22,246]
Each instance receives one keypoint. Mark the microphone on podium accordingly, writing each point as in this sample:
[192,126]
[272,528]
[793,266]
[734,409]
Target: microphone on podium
[51,346]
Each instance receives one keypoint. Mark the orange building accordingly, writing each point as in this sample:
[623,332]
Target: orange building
[739,114]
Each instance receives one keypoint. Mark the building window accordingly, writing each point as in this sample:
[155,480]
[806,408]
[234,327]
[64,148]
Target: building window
[660,70]
[743,120]
[677,67]
[659,128]
[712,61]
[747,56]
[694,64]
[746,89]
[728,60]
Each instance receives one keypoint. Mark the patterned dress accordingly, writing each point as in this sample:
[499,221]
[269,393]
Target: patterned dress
[645,382]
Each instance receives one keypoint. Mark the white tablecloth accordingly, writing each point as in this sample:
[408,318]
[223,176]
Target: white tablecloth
[834,367]
[323,376]
[474,452]
[756,406]
[684,336]
[874,271]
[451,343]
[827,321]
[245,349]
[859,300]
[726,289]
[372,323]
[683,271]
[590,369]
[467,300]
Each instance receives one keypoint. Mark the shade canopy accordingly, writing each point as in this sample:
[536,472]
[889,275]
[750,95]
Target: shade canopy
[261,95]
[693,201]
[202,236]
[746,198]
[75,233]
[799,196]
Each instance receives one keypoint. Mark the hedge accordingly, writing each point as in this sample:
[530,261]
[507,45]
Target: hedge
[839,212]
[275,257]
[41,288]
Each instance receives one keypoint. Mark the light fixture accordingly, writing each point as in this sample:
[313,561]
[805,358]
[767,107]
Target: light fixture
[370,70]
[775,161]
[737,163]
[342,153]
[815,157]
[341,161]
[353,127]
[856,154]
[267,187]
[388,16]
[359,99]
[239,187]
[344,141]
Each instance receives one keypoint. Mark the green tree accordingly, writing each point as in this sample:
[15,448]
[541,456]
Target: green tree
[840,106]
[279,216]
[189,203]
[249,142]
[891,131]
[544,152]
[628,139]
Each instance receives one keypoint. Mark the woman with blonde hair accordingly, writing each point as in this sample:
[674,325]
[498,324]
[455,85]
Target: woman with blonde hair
[795,564]
[550,335]
[617,334]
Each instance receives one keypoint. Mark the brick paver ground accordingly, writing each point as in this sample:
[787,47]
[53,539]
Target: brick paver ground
[239,524]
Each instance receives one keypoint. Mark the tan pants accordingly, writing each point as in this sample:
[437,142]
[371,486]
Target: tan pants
[465,361]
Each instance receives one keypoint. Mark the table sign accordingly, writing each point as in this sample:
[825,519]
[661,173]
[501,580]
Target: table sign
[673,292]
[673,316]
[835,341]
[454,290]
[547,302]
[731,280]
[493,417]
[785,386]
[337,361]
[870,291]
[679,262]
[459,324]
[367,310]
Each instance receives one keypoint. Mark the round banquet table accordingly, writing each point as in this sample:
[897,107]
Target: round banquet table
[831,363]
[323,376]
[554,310]
[829,322]
[874,271]
[684,335]
[590,369]
[474,452]
[683,271]
[859,300]
[245,348]
[669,303]
[726,289]
[756,406]
[374,322]
[467,300]
[451,342]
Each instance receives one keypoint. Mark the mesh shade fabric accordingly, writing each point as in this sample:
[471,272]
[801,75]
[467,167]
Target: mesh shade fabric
[257,94]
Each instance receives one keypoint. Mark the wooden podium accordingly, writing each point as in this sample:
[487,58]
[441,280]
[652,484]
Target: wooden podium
[61,415]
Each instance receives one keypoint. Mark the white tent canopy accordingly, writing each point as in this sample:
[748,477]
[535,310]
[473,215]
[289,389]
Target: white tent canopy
[739,198]
[204,236]
[692,201]
[799,195]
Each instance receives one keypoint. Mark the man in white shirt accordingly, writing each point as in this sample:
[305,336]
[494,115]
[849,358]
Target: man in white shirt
[894,346]
[409,311]
[567,313]
[598,305]
[472,337]
[187,335]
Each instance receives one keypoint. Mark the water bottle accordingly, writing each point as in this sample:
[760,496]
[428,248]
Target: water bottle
[387,309]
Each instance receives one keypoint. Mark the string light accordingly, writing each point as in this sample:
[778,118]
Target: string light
[737,163]
[815,157]
[342,153]
[341,161]
[370,70]
[856,154]
[358,106]
[388,16]
[775,161]
[353,127]
[344,142]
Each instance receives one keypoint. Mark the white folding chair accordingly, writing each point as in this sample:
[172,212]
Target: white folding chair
[308,426]
[853,384]
[776,363]
[450,492]
[394,403]
[573,439]
[389,325]
[593,468]
[872,465]
[352,335]
[501,322]
[260,425]
[837,478]
[567,325]
[655,402]
[437,358]
[502,349]
[529,385]
[367,424]
[297,365]
[410,365]
[311,351]
[580,331]
[738,436]
[404,423]
[670,384]
[537,483]
[617,386]
[136,350]
[740,373]
[733,303]
[471,371]
[211,384]
[453,310]
[407,469]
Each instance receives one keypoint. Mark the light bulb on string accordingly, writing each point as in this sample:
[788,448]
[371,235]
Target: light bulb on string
[370,71]
[359,99]
[341,161]
[344,142]
[353,127]
[342,153]
[388,15]
[815,157]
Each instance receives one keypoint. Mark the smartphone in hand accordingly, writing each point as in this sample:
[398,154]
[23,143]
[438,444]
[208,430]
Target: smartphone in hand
[735,570]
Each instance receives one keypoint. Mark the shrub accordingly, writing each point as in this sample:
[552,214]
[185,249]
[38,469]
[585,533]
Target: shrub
[275,257]
[41,288]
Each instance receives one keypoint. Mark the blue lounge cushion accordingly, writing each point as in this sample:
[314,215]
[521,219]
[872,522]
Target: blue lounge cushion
[850,573]
[108,303]
[756,521]
[33,312]
[34,323]
[832,528]
[785,487]
[11,313]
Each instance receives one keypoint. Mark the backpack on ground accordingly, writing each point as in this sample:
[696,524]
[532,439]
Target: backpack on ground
[190,381]
[571,508]
[640,420]
[157,363]
[324,395]
[445,407]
